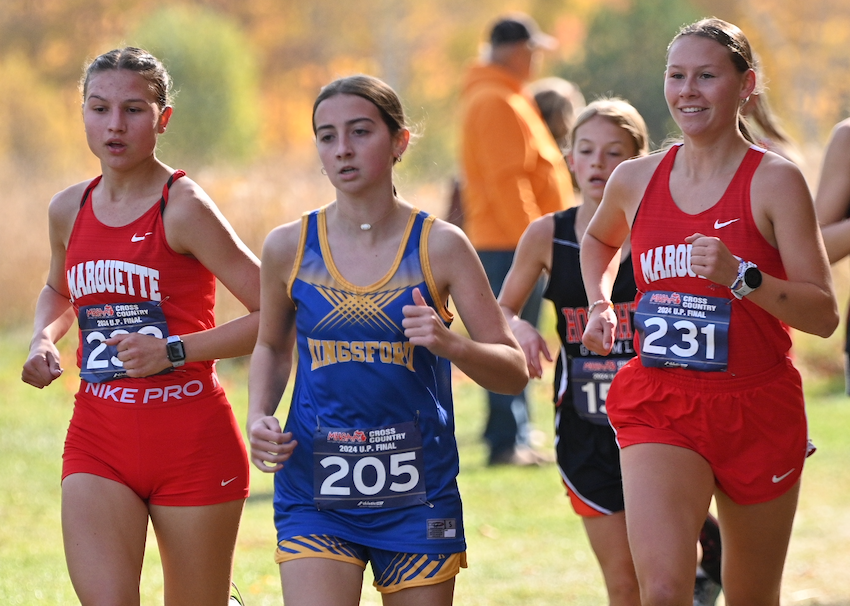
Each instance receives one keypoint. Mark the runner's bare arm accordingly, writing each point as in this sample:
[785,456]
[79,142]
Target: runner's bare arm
[600,252]
[806,300]
[271,362]
[197,227]
[54,315]
[833,194]
[532,258]
[490,355]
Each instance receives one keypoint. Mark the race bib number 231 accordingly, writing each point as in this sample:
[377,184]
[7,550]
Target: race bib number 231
[678,330]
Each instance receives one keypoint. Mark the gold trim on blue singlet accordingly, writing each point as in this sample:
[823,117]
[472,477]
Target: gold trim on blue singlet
[425,261]
[331,264]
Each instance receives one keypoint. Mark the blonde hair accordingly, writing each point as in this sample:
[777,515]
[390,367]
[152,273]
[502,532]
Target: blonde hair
[620,112]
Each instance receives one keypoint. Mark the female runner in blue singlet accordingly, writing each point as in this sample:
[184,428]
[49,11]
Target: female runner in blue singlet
[366,465]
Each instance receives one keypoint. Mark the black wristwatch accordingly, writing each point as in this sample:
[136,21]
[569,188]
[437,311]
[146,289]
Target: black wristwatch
[175,351]
[749,279]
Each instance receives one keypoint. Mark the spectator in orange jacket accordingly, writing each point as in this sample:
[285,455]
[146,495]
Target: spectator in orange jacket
[513,173]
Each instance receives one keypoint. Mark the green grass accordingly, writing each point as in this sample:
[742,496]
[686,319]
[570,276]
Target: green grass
[526,546]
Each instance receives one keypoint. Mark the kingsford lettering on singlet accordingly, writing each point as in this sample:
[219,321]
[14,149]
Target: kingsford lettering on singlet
[360,468]
[591,378]
[679,330]
[100,322]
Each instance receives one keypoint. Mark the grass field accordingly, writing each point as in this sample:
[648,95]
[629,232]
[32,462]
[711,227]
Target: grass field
[526,547]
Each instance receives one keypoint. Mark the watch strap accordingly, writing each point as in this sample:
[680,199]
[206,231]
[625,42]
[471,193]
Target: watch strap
[740,288]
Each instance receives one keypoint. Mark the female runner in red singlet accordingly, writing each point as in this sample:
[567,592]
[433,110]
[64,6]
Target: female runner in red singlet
[727,254]
[135,256]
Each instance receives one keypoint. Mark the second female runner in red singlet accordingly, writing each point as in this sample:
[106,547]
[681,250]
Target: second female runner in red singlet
[726,254]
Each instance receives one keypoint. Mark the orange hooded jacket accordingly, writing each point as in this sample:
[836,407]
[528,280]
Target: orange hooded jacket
[513,172]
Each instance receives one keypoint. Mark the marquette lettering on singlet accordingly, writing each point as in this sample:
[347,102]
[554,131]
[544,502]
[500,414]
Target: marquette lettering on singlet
[121,280]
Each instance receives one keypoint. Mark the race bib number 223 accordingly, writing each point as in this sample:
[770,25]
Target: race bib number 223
[100,322]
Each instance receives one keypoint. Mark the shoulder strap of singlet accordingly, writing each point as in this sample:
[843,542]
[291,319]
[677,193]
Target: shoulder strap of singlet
[660,178]
[163,201]
[669,158]
[661,174]
[299,254]
[425,263]
[751,160]
[738,191]
[89,187]
[565,221]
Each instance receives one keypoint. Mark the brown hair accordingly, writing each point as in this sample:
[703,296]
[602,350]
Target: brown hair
[136,60]
[740,52]
[559,101]
[372,89]
[620,112]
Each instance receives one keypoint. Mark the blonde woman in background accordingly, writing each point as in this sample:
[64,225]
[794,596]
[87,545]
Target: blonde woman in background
[832,202]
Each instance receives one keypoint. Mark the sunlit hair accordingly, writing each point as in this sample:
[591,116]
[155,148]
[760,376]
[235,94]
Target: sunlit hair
[733,39]
[136,60]
[758,110]
[621,113]
[559,101]
[378,92]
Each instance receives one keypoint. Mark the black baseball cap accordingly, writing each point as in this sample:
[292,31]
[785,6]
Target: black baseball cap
[518,27]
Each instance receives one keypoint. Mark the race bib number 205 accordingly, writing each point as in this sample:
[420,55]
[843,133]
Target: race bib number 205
[375,468]
[679,330]
[100,322]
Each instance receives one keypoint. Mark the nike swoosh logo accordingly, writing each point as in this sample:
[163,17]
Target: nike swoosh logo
[136,238]
[718,224]
[226,482]
[777,479]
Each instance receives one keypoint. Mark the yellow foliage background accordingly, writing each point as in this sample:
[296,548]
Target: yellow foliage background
[421,48]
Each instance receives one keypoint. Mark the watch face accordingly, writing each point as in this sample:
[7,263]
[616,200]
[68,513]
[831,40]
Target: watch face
[752,277]
[175,351]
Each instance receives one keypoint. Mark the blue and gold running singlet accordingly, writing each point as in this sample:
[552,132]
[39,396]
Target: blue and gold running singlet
[376,461]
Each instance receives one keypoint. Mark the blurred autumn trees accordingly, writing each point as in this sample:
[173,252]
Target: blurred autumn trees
[216,76]
[633,38]
[247,72]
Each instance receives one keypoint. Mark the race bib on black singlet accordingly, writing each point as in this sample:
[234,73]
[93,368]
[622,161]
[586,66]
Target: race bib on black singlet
[683,331]
[100,322]
[591,378]
[376,468]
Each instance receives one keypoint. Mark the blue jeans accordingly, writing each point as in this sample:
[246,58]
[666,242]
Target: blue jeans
[507,421]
